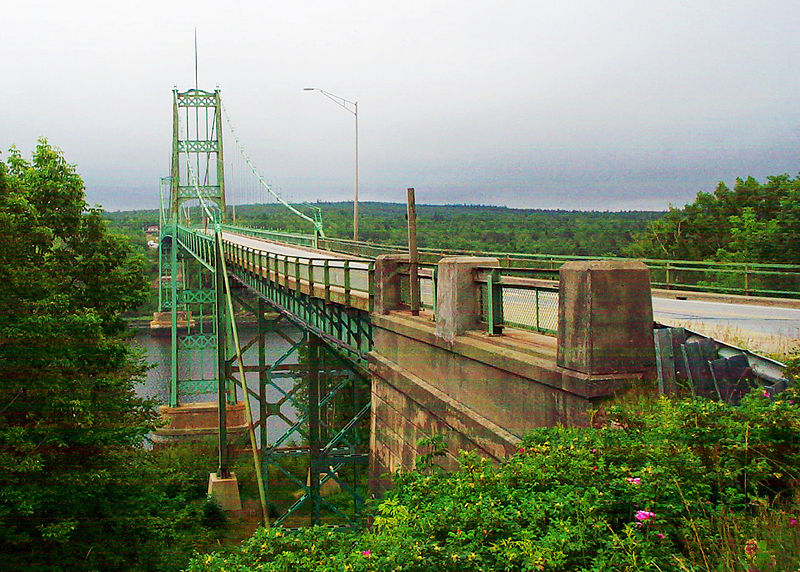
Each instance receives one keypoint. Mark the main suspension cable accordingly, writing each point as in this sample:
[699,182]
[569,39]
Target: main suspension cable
[261,180]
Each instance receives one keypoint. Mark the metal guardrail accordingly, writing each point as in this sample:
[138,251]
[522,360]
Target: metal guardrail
[509,298]
[308,240]
[752,279]
[427,275]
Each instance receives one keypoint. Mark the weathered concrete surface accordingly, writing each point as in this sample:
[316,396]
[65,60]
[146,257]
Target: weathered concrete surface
[483,393]
[225,491]
[605,317]
[161,324]
[387,282]
[457,298]
[196,419]
[405,408]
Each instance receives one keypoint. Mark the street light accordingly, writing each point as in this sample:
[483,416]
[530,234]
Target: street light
[346,104]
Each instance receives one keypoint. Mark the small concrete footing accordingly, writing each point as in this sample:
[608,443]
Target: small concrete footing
[225,491]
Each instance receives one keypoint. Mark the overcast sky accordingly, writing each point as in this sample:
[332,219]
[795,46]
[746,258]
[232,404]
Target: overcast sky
[542,104]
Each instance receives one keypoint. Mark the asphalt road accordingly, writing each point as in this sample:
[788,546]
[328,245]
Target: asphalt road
[763,319]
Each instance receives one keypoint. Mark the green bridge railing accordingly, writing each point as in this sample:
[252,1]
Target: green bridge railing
[750,279]
[509,297]
[308,240]
[522,293]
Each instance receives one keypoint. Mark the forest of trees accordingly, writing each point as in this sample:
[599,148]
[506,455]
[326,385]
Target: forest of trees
[466,227]
[754,222]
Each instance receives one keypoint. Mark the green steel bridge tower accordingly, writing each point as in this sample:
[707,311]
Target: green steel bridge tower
[202,281]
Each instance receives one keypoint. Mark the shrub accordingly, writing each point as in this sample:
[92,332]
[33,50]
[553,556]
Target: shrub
[667,485]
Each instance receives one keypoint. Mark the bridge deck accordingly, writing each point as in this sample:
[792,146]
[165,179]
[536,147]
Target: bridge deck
[302,252]
[715,309]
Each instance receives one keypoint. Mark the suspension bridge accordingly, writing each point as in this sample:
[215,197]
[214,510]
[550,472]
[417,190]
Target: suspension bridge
[455,343]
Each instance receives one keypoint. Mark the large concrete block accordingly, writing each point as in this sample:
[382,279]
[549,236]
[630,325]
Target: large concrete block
[387,282]
[458,298]
[605,317]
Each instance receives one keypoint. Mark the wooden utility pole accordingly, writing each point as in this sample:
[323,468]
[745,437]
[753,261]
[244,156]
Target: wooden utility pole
[413,253]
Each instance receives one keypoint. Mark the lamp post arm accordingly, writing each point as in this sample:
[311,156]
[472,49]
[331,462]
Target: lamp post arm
[340,101]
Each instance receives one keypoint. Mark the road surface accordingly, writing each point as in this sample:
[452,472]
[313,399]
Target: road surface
[750,318]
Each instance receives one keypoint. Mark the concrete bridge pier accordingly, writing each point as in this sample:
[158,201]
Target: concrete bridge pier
[445,375]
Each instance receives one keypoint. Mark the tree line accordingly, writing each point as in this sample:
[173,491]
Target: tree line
[753,222]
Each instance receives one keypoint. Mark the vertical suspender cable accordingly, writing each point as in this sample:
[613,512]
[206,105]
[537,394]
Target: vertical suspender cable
[245,393]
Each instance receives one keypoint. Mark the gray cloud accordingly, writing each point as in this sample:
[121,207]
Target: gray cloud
[531,104]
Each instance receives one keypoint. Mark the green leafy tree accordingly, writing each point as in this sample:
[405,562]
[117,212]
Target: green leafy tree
[754,222]
[76,486]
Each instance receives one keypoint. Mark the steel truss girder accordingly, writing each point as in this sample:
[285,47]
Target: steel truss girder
[197,386]
[347,329]
[197,342]
[326,458]
[202,296]
[339,449]
[196,98]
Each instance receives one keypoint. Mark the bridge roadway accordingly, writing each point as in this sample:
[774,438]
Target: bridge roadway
[304,255]
[763,319]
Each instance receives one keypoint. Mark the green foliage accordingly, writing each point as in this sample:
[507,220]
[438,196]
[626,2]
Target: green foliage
[435,447]
[77,489]
[213,515]
[667,485]
[468,227]
[754,222]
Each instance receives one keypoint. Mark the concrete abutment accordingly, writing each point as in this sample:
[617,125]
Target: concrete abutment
[483,393]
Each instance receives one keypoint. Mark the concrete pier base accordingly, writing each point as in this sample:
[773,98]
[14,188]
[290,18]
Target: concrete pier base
[605,317]
[161,324]
[195,420]
[225,491]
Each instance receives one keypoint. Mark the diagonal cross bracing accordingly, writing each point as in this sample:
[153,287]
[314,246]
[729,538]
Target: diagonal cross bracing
[328,294]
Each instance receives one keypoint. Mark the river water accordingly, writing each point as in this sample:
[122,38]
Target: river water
[156,384]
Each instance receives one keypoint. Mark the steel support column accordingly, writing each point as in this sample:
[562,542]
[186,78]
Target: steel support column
[222,378]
